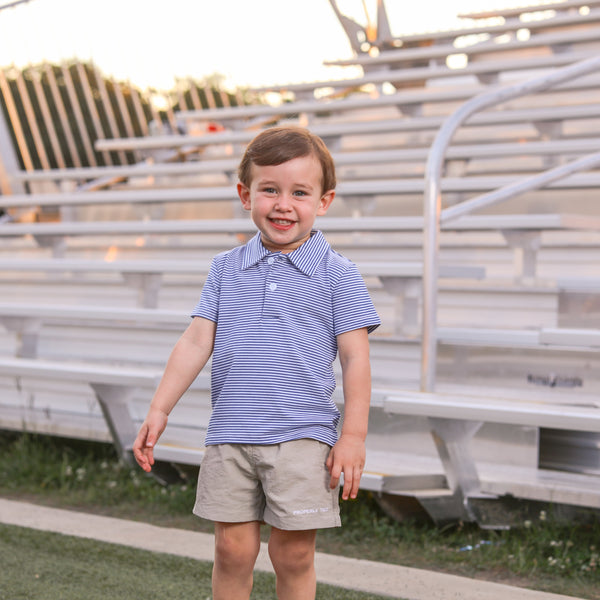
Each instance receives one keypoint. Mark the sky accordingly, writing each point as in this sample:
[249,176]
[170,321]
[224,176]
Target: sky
[249,42]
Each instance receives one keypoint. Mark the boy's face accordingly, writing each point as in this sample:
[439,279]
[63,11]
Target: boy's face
[284,201]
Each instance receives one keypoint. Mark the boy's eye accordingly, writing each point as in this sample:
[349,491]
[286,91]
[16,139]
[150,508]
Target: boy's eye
[269,190]
[299,193]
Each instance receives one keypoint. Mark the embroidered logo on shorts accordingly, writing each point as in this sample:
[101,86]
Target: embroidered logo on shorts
[310,511]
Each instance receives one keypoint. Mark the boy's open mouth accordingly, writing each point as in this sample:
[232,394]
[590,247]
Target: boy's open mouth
[282,223]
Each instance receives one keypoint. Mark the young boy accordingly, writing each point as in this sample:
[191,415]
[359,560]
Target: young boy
[274,313]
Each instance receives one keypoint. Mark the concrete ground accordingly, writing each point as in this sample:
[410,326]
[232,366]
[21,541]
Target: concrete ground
[376,578]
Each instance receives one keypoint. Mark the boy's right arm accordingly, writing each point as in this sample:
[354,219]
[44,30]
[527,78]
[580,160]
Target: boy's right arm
[187,359]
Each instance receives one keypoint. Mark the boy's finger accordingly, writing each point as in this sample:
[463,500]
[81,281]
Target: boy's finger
[138,449]
[348,484]
[147,459]
[355,483]
[351,483]
[329,461]
[335,474]
[150,455]
[143,463]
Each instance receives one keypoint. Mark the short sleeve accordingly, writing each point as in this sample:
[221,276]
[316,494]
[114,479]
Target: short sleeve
[208,305]
[352,304]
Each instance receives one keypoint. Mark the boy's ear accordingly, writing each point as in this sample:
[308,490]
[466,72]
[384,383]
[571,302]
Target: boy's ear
[244,194]
[325,202]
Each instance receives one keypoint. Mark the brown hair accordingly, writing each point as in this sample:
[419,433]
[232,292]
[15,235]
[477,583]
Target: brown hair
[277,145]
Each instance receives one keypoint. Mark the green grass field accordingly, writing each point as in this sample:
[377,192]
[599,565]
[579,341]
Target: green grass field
[38,565]
[543,553]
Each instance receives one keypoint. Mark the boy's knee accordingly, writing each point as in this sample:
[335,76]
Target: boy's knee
[237,554]
[291,556]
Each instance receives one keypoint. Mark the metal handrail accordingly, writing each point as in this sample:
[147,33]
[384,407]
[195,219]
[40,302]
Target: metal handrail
[433,214]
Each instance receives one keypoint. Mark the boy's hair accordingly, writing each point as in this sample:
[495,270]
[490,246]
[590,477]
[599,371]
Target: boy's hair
[277,145]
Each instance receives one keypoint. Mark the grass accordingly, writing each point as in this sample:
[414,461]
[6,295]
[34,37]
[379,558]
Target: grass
[47,566]
[544,553]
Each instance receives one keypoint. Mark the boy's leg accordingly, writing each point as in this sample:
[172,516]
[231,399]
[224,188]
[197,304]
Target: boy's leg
[236,549]
[293,556]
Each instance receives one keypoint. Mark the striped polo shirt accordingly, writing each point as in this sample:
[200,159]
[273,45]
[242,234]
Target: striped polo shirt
[277,318]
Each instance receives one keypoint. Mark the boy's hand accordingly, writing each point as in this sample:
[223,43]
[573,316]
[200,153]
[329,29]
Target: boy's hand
[347,457]
[150,431]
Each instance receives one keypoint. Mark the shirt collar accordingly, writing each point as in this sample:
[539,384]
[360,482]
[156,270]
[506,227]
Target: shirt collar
[306,258]
[255,251]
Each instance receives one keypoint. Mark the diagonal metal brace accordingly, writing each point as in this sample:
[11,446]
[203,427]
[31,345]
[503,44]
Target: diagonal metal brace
[113,400]
[452,438]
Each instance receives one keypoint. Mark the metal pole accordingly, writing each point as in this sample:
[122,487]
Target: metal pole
[32,123]
[9,163]
[85,87]
[432,199]
[138,109]
[13,116]
[75,110]
[520,186]
[109,113]
[13,4]
[48,123]
[63,119]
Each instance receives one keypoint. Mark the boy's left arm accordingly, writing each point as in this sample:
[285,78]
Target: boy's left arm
[348,455]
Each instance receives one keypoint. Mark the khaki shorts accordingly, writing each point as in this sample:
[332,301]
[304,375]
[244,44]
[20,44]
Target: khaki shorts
[285,485]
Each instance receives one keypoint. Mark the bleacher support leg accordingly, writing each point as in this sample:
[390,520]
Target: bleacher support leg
[525,245]
[28,331]
[113,400]
[452,438]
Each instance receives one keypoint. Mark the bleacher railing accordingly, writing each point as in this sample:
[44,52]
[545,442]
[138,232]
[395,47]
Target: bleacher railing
[432,210]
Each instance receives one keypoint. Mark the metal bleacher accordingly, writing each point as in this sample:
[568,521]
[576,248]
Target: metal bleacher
[491,331]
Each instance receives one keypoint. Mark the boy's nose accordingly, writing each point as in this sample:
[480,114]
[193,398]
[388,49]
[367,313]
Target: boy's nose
[284,202]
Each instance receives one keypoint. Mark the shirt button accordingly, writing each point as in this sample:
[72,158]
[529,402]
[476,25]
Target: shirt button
[272,286]
[270,260]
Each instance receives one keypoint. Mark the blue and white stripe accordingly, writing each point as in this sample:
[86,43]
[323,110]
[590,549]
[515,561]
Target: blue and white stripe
[277,318]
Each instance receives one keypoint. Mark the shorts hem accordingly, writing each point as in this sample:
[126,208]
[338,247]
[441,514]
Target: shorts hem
[217,517]
[302,525]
